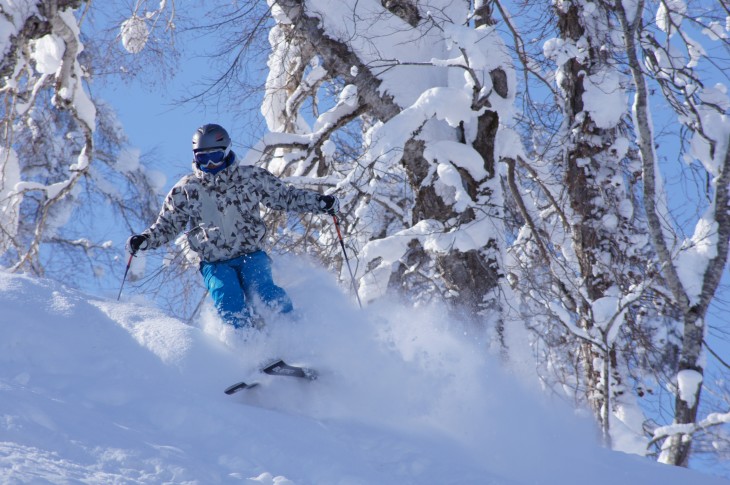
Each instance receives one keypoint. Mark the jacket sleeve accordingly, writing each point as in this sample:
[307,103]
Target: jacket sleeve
[278,195]
[171,220]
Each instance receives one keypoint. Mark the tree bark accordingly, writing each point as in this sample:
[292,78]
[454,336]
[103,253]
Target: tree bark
[581,163]
[677,451]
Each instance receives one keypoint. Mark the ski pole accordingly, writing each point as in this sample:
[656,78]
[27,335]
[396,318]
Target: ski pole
[197,308]
[347,260]
[129,263]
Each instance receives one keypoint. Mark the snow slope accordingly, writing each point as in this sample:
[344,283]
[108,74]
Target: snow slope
[98,392]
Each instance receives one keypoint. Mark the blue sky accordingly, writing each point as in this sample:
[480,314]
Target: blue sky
[149,107]
[156,123]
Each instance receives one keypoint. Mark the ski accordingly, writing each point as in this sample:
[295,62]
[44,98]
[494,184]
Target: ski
[281,368]
[240,386]
[276,368]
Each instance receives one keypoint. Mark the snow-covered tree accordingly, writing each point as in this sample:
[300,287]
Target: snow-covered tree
[580,249]
[62,155]
[586,212]
[426,85]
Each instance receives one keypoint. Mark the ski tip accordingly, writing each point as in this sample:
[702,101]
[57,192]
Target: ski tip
[281,368]
[273,364]
[240,386]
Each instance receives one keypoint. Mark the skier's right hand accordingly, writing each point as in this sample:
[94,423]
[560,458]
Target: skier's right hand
[137,242]
[329,204]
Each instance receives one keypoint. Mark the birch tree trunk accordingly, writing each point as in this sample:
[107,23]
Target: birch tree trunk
[677,447]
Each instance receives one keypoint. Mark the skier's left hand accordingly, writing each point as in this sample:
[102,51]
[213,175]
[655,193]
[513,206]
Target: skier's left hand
[329,204]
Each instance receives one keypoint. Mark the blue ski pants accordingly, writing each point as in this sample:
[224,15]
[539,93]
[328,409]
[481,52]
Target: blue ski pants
[233,284]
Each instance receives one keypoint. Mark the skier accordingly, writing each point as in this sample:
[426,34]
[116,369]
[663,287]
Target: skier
[218,204]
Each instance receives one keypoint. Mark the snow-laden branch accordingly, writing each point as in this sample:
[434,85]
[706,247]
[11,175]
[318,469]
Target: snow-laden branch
[136,30]
[45,58]
[689,430]
[307,145]
[530,65]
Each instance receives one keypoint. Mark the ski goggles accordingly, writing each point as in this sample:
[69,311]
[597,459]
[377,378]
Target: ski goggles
[212,158]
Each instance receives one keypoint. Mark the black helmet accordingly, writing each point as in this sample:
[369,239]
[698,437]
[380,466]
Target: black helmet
[211,136]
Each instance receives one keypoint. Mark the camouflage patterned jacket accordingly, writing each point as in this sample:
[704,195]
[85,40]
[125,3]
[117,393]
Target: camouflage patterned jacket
[221,211]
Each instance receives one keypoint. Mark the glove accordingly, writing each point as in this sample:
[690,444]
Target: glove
[329,204]
[137,242]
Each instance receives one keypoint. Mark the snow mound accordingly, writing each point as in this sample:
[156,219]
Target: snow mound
[96,391]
